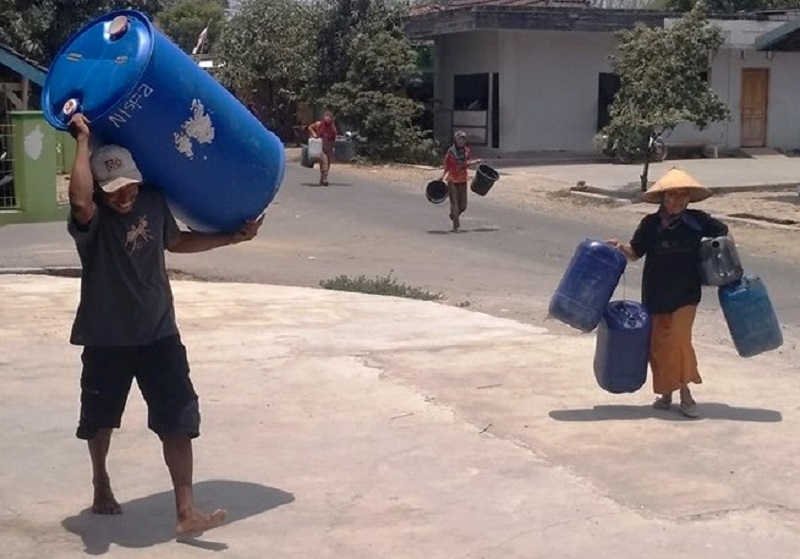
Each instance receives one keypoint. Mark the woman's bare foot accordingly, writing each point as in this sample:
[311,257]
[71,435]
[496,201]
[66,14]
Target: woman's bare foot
[196,522]
[104,501]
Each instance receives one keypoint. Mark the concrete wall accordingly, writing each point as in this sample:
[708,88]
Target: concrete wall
[549,86]
[783,118]
[466,53]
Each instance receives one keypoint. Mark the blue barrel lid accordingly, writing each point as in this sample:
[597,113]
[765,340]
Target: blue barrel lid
[98,67]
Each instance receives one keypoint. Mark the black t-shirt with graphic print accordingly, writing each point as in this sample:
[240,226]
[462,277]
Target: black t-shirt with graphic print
[671,276]
[126,299]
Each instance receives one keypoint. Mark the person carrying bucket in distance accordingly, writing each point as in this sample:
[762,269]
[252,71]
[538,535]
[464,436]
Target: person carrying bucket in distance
[324,130]
[670,240]
[126,317]
[457,161]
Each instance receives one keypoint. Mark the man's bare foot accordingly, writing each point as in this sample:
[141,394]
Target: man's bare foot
[197,522]
[104,501]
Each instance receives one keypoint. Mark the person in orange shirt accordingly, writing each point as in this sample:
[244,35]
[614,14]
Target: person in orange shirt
[325,130]
[456,171]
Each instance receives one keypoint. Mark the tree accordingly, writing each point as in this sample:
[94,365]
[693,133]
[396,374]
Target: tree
[342,16]
[268,55]
[662,81]
[184,22]
[38,28]
[734,6]
[372,96]
[626,4]
[342,19]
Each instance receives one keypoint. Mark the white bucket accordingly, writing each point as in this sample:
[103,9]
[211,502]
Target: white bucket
[314,149]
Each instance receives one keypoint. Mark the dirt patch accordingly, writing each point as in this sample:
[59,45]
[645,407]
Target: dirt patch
[774,207]
[767,219]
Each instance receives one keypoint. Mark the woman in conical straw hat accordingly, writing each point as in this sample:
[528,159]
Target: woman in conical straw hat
[669,239]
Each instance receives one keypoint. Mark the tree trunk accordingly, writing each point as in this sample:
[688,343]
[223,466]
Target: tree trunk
[645,173]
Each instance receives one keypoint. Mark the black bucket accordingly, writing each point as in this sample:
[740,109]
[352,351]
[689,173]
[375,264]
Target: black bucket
[436,192]
[484,180]
[304,160]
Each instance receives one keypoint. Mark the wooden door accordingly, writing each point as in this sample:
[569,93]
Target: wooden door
[755,92]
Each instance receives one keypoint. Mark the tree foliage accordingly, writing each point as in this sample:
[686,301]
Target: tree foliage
[38,28]
[185,20]
[733,6]
[267,55]
[342,18]
[663,81]
[370,95]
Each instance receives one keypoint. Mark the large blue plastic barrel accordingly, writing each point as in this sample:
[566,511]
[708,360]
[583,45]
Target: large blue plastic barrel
[587,285]
[751,318]
[216,163]
[623,347]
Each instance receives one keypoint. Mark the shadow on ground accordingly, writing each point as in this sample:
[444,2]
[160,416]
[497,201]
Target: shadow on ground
[709,411]
[150,520]
[462,231]
[317,185]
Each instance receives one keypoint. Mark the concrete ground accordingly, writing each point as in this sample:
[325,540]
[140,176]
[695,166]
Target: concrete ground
[347,426]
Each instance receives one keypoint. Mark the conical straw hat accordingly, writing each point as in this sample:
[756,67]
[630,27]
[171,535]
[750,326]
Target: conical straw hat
[675,179]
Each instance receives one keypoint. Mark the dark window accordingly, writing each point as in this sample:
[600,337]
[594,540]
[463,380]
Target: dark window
[608,86]
[471,92]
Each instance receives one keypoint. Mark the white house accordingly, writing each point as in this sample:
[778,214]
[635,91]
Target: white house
[522,76]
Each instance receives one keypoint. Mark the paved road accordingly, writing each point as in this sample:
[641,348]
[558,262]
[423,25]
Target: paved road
[507,262]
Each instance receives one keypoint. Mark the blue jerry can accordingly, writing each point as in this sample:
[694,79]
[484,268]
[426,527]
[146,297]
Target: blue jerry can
[751,318]
[587,285]
[623,347]
[215,162]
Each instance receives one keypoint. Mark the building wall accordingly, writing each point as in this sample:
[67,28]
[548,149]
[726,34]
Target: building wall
[549,86]
[783,119]
[465,53]
[548,83]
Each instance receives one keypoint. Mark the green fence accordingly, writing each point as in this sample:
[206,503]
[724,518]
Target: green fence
[38,156]
[65,153]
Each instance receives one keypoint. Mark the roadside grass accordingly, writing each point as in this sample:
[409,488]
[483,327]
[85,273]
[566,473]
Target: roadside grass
[386,285]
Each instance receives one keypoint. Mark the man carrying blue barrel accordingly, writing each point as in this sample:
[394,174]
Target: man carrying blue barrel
[126,317]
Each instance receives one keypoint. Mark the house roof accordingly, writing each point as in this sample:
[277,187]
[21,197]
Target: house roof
[21,65]
[442,17]
[460,16]
[455,5]
[783,38]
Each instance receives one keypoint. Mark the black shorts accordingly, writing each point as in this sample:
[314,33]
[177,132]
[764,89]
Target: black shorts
[162,372]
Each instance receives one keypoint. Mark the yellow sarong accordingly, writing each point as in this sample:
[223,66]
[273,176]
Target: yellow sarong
[672,358]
